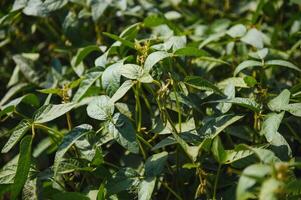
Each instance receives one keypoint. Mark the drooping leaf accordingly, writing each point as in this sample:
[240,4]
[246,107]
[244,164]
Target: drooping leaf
[293,108]
[85,84]
[146,188]
[52,111]
[280,102]
[246,64]
[254,38]
[124,179]
[123,132]
[24,162]
[154,164]
[202,84]
[16,135]
[154,58]
[282,63]
[68,141]
[84,52]
[122,90]
[101,108]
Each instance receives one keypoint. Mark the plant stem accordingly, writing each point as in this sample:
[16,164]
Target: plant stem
[33,131]
[171,191]
[69,121]
[216,181]
[138,107]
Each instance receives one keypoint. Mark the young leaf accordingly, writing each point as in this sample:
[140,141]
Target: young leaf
[236,31]
[100,108]
[132,71]
[51,111]
[16,135]
[293,108]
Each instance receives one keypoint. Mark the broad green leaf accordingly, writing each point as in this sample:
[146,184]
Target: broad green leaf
[124,179]
[218,150]
[56,91]
[248,179]
[123,41]
[190,51]
[110,79]
[270,189]
[132,71]
[244,102]
[246,64]
[11,92]
[23,168]
[16,135]
[282,63]
[67,142]
[155,164]
[229,91]
[293,108]
[26,67]
[271,124]
[52,111]
[260,54]
[212,38]
[154,58]
[84,52]
[85,84]
[153,20]
[250,81]
[53,5]
[280,102]
[236,31]
[122,90]
[236,81]
[202,84]
[35,8]
[146,188]
[254,38]
[123,132]
[216,125]
[100,108]
[98,7]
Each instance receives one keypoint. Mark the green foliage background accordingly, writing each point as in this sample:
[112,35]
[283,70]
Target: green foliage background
[145,99]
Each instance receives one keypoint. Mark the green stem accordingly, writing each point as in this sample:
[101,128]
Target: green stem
[33,131]
[41,126]
[144,141]
[171,191]
[138,107]
[216,181]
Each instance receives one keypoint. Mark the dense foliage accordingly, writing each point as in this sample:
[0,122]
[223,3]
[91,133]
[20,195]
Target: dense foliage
[145,99]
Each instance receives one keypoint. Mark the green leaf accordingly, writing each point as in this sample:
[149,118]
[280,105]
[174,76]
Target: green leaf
[123,41]
[146,188]
[67,142]
[250,81]
[35,8]
[260,54]
[51,111]
[85,84]
[53,5]
[280,102]
[218,150]
[122,90]
[123,132]
[100,108]
[26,67]
[12,91]
[190,51]
[155,164]
[254,38]
[110,79]
[154,58]
[98,7]
[237,31]
[270,189]
[124,179]
[249,178]
[282,63]
[293,108]
[69,196]
[23,166]
[229,91]
[16,135]
[202,84]
[246,64]
[133,71]
[84,52]
[271,124]
[244,102]
[153,20]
